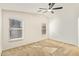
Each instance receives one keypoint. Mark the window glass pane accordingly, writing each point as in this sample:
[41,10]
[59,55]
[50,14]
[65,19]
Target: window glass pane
[15,34]
[44,29]
[15,23]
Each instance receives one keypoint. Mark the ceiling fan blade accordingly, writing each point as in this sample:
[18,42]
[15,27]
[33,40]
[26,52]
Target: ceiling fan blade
[57,8]
[51,5]
[39,10]
[43,8]
[44,11]
[52,12]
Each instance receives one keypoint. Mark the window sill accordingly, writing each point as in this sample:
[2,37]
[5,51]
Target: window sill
[17,39]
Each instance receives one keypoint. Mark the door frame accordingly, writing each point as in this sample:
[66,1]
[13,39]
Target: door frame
[0,31]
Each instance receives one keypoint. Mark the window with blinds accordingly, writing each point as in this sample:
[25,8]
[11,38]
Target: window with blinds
[15,29]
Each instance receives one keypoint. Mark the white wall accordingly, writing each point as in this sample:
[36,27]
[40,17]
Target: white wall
[0,31]
[78,26]
[78,31]
[32,28]
[63,24]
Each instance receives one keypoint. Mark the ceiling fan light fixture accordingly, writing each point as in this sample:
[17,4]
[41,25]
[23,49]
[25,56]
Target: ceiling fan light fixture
[49,10]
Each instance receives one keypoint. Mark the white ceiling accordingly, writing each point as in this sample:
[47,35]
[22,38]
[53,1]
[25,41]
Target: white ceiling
[28,7]
[33,7]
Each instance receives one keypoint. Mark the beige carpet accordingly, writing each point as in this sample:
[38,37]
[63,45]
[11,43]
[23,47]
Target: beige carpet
[43,48]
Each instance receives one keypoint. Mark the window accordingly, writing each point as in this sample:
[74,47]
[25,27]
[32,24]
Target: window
[43,29]
[16,29]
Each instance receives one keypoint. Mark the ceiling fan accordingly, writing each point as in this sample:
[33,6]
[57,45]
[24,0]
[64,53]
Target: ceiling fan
[50,9]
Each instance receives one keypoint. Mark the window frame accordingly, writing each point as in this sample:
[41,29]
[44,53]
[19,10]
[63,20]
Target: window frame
[17,30]
[43,29]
